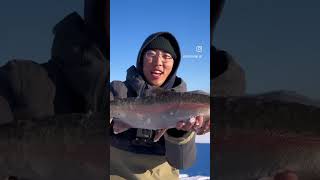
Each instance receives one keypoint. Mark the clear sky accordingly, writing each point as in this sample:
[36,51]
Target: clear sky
[188,20]
[277,43]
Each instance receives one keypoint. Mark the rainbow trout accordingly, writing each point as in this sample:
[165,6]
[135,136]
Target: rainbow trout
[257,136]
[63,147]
[161,110]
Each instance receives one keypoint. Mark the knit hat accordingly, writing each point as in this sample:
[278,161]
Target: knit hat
[161,43]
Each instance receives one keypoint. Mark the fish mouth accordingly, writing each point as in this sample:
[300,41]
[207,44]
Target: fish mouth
[156,74]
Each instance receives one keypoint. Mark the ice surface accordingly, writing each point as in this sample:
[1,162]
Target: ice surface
[201,169]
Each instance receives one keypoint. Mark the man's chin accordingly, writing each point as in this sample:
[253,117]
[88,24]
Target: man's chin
[156,83]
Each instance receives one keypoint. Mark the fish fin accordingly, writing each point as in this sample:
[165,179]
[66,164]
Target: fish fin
[163,92]
[119,127]
[157,92]
[159,134]
[199,92]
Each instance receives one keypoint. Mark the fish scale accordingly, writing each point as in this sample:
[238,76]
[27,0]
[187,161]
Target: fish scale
[160,110]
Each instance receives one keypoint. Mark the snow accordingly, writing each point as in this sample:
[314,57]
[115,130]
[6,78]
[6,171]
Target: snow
[203,138]
[186,177]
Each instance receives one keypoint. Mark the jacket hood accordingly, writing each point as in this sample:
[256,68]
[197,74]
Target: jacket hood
[173,41]
[216,9]
[97,19]
[79,60]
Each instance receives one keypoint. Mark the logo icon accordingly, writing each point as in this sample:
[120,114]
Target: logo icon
[199,49]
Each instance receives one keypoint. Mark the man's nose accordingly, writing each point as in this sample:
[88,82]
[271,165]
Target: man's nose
[158,60]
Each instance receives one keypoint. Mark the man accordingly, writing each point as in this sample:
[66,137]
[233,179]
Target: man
[146,154]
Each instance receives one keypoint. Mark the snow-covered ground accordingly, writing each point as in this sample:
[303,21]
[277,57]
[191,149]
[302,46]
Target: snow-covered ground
[203,138]
[187,177]
[201,169]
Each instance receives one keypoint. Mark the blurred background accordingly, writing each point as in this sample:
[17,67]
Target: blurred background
[276,42]
[26,27]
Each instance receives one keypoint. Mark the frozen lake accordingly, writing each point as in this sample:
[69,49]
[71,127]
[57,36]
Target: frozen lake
[201,169]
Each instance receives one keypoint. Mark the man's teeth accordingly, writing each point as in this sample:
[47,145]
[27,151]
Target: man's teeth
[157,72]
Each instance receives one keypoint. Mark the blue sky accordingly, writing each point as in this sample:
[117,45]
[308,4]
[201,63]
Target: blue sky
[188,20]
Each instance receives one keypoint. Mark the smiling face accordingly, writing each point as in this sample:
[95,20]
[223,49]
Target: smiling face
[157,66]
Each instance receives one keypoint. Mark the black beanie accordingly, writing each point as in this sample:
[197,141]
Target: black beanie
[161,43]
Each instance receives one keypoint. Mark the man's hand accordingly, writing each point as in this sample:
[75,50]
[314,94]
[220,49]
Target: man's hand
[119,127]
[196,124]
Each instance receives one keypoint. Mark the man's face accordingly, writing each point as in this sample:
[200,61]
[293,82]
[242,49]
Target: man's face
[157,65]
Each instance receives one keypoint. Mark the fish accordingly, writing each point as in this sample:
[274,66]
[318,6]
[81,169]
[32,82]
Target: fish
[257,136]
[66,146]
[161,109]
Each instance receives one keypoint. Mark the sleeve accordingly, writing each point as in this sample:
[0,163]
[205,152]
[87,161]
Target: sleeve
[181,150]
[27,90]
[118,89]
[5,111]
[230,79]
[5,96]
